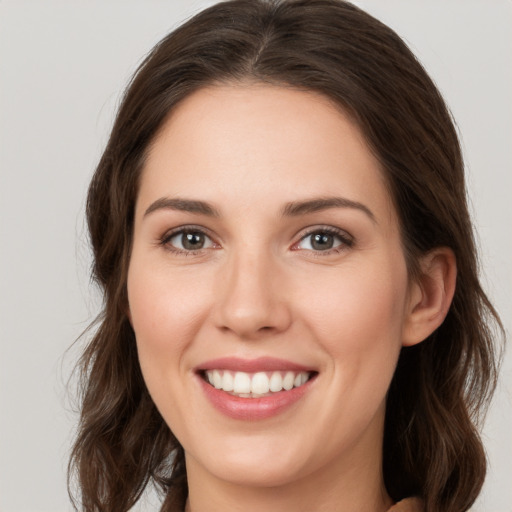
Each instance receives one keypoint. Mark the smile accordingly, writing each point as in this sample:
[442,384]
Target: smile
[254,389]
[256,385]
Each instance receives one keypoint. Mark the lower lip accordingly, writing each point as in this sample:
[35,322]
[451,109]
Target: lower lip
[253,408]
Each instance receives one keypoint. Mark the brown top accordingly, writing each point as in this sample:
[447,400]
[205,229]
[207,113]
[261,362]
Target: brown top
[408,505]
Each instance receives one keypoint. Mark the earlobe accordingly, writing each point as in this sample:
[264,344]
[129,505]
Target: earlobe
[430,296]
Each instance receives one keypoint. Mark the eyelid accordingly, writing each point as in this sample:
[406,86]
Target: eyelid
[346,238]
[169,234]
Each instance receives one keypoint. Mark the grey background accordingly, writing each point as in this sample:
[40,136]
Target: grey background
[63,66]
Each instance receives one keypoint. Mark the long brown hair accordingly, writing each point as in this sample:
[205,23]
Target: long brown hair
[431,444]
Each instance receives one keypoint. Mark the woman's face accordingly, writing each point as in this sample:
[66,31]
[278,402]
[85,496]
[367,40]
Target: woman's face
[266,252]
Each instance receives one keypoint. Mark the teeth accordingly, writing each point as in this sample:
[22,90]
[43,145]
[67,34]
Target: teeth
[255,385]
[276,382]
[217,379]
[260,384]
[227,382]
[288,381]
[242,383]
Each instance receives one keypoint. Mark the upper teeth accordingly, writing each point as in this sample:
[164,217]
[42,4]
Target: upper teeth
[259,383]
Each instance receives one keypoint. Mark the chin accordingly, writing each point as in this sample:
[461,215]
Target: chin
[247,473]
[260,465]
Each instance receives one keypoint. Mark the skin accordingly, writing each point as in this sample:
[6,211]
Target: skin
[259,288]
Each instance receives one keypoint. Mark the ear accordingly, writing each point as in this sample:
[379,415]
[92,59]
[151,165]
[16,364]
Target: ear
[430,295]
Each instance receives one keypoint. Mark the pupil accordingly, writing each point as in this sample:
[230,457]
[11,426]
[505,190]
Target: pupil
[192,241]
[322,241]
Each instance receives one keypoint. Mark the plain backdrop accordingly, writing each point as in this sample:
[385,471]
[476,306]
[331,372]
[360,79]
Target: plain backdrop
[63,66]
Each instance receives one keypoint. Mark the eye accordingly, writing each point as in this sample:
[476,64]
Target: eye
[187,241]
[324,240]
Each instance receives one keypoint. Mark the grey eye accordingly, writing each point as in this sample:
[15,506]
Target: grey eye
[190,241]
[322,240]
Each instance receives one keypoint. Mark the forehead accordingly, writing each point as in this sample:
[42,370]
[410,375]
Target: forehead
[271,143]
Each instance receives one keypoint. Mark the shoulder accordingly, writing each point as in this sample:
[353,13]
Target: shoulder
[408,505]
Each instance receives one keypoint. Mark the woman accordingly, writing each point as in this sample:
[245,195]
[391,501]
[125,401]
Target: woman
[293,318]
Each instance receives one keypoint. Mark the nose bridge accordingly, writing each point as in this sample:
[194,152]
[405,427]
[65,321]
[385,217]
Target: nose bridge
[251,301]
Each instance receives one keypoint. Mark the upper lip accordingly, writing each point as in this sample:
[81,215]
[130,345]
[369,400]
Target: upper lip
[260,364]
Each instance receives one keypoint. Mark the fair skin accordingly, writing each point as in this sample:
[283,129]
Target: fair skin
[265,272]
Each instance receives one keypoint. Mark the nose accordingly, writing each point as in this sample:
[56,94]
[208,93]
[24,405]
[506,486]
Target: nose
[252,301]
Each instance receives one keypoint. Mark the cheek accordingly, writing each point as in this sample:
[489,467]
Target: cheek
[165,312]
[359,321]
[358,325]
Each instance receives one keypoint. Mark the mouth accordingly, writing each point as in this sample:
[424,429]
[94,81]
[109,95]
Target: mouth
[254,389]
[259,384]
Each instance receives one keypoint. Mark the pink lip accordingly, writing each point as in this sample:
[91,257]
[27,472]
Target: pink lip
[261,364]
[252,408]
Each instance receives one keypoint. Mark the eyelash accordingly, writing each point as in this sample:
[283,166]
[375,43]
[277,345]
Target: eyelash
[346,240]
[165,240]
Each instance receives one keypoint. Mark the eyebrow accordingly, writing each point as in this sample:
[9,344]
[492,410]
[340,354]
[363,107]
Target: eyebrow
[183,205]
[324,203]
[292,209]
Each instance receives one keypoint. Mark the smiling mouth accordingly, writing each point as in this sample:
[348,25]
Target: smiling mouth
[257,384]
